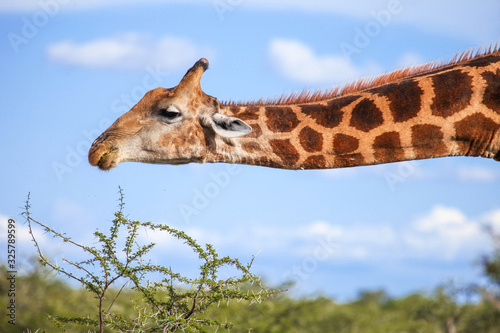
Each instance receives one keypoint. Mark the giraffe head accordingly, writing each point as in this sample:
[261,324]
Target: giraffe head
[167,126]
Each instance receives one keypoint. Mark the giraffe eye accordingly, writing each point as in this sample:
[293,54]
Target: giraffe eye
[169,114]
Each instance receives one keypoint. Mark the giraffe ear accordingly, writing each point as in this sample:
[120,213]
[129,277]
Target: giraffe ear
[229,127]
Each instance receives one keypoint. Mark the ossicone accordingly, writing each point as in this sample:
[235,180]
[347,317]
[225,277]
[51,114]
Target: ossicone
[192,78]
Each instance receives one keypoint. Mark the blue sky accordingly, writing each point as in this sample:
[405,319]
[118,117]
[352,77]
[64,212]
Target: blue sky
[70,68]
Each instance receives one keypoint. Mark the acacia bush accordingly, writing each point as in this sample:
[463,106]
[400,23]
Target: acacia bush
[119,261]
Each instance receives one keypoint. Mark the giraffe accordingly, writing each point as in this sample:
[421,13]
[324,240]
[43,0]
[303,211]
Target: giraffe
[433,110]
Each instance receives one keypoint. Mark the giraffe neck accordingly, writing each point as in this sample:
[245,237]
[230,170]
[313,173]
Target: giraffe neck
[449,111]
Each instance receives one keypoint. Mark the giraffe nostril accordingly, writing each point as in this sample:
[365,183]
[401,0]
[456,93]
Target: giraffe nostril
[99,140]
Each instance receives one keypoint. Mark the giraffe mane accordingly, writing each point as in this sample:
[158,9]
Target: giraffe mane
[310,96]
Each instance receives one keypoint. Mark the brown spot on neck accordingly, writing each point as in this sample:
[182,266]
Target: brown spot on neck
[387,148]
[476,133]
[329,115]
[246,113]
[344,144]
[366,116]
[405,99]
[310,140]
[281,119]
[250,147]
[428,141]
[256,131]
[453,91]
[285,151]
[491,97]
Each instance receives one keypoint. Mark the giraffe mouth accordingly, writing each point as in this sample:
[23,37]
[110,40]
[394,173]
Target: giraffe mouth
[104,159]
[108,160]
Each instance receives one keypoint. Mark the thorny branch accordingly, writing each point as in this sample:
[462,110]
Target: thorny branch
[176,309]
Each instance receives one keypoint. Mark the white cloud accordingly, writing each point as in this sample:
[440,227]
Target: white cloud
[477,174]
[359,241]
[492,219]
[297,61]
[128,51]
[444,232]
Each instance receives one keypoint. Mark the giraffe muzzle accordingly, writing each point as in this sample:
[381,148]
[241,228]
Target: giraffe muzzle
[103,157]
